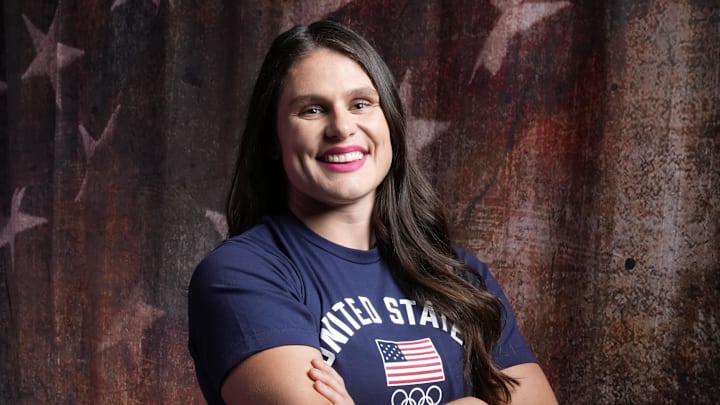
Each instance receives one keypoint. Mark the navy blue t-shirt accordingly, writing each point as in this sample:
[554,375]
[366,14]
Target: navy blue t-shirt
[282,284]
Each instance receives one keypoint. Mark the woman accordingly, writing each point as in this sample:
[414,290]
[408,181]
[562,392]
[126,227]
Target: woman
[339,283]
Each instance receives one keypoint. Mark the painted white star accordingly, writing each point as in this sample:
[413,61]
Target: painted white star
[129,325]
[18,222]
[307,11]
[219,222]
[90,145]
[51,55]
[516,16]
[118,3]
[421,132]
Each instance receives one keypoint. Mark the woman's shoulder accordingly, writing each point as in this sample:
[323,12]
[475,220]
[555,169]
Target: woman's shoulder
[254,250]
[258,240]
[482,269]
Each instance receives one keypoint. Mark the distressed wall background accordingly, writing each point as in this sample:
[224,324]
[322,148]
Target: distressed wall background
[576,144]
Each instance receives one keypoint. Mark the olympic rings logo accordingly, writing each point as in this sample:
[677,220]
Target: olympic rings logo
[417,396]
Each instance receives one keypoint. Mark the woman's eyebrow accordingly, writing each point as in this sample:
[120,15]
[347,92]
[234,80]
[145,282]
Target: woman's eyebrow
[363,92]
[304,99]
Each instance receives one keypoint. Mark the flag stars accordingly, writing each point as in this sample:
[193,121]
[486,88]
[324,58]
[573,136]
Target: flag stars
[391,352]
[219,222]
[421,131]
[129,325]
[90,146]
[306,11]
[18,222]
[51,55]
[393,355]
[516,16]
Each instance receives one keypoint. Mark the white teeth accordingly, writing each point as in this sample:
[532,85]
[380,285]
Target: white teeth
[343,157]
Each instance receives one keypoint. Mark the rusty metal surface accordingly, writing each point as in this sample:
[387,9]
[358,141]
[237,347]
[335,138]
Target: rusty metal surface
[575,144]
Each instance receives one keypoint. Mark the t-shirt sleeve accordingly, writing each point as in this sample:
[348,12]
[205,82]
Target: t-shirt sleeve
[243,299]
[511,349]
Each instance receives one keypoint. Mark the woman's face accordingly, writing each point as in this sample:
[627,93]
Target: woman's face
[333,135]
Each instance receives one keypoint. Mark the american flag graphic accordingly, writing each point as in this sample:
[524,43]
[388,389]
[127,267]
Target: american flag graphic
[412,362]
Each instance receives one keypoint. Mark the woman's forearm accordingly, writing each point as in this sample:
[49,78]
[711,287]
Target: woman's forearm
[467,401]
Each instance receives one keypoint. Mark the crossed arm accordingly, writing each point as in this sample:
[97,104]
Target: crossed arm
[296,375]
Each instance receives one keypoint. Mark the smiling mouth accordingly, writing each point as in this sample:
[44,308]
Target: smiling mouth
[342,157]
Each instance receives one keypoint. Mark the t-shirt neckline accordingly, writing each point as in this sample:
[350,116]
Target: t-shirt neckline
[354,255]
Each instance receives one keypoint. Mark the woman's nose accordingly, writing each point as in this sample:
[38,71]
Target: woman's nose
[341,125]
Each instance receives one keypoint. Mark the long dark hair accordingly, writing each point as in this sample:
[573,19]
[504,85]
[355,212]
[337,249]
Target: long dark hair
[408,221]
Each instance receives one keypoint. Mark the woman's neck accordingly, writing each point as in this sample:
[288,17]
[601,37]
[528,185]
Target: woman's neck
[347,226]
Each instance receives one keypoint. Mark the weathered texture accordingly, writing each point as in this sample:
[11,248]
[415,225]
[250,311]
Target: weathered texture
[575,144]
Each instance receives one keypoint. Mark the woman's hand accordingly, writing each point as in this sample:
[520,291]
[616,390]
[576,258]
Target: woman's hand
[329,383]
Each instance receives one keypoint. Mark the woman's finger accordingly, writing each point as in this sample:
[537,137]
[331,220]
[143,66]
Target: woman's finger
[329,383]
[328,376]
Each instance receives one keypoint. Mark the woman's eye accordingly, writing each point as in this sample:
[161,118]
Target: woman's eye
[314,110]
[360,105]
